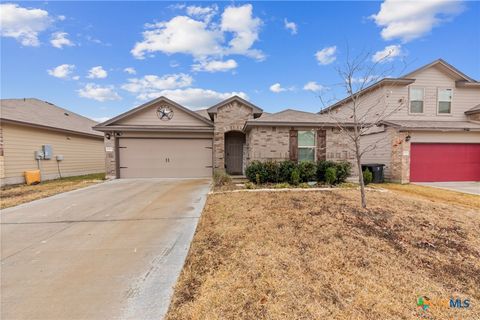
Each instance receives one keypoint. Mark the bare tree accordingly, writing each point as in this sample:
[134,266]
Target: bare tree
[362,113]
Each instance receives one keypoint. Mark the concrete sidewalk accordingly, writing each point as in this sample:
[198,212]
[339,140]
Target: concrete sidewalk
[470,187]
[110,251]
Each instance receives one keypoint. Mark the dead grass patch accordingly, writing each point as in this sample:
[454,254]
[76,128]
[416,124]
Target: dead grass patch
[318,255]
[18,194]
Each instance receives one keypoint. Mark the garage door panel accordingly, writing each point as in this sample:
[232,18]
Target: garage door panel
[444,162]
[165,158]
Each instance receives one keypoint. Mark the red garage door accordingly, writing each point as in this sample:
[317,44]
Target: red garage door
[444,162]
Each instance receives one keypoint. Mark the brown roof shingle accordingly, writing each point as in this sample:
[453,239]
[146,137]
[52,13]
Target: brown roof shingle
[433,125]
[41,113]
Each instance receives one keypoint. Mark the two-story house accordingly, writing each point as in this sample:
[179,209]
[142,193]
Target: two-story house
[430,130]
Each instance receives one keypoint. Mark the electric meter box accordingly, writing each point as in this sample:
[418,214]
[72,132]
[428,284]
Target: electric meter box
[38,155]
[60,157]
[47,151]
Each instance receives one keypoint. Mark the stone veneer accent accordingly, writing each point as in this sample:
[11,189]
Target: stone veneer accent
[229,117]
[110,157]
[400,161]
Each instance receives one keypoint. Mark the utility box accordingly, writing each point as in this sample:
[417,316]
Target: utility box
[38,155]
[60,157]
[47,151]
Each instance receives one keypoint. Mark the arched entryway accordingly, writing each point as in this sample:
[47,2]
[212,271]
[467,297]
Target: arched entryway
[234,141]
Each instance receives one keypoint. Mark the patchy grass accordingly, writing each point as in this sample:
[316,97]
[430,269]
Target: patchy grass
[18,194]
[434,194]
[318,255]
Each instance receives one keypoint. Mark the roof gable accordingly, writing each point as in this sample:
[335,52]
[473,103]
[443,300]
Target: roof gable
[145,115]
[444,66]
[256,110]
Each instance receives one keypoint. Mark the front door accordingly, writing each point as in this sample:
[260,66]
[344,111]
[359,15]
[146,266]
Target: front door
[234,142]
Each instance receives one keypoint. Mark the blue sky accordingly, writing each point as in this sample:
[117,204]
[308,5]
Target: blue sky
[102,58]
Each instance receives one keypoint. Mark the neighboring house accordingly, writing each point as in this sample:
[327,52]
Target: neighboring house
[27,125]
[164,139]
[435,136]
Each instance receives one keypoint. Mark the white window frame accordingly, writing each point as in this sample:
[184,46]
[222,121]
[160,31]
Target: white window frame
[409,101]
[438,101]
[305,147]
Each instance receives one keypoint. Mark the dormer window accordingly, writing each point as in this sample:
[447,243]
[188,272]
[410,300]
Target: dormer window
[416,100]
[445,101]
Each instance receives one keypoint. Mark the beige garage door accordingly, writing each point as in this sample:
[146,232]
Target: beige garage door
[165,158]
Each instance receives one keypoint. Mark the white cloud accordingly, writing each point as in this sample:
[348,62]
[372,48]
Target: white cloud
[62,71]
[195,98]
[204,13]
[389,53]
[312,86]
[101,119]
[97,73]
[98,93]
[277,88]
[203,38]
[23,24]
[150,85]
[291,26]
[59,40]
[408,20]
[130,70]
[179,35]
[245,27]
[215,66]
[326,55]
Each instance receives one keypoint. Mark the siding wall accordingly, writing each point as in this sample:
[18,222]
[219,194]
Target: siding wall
[382,152]
[82,155]
[148,117]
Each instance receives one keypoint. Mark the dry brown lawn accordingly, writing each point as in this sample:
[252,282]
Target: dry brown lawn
[317,255]
[18,194]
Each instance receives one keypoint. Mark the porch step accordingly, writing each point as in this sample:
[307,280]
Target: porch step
[239,179]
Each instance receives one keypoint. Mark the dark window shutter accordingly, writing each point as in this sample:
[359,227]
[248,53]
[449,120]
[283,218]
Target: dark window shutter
[293,145]
[321,145]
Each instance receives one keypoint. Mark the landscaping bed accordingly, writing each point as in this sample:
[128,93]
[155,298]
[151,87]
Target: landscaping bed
[318,255]
[18,194]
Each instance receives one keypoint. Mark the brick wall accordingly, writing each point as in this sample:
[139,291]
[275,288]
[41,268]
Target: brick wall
[230,117]
[340,148]
[400,164]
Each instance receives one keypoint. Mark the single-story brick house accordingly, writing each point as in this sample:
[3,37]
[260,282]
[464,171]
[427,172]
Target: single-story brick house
[31,125]
[164,139]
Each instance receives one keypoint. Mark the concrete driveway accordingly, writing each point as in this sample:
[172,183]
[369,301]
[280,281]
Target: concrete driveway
[110,251]
[461,186]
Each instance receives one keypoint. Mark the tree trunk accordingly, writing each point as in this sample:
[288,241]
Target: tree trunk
[360,176]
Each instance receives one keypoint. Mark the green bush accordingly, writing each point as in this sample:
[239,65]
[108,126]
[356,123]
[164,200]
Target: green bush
[304,185]
[282,185]
[331,175]
[343,170]
[249,185]
[308,171]
[367,176]
[285,170]
[295,177]
[221,178]
[322,168]
[256,172]
[273,169]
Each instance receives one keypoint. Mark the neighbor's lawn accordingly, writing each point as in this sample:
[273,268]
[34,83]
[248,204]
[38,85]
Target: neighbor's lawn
[317,255]
[18,194]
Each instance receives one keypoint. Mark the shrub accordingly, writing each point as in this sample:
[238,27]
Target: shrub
[322,168]
[343,170]
[331,175]
[272,169]
[304,185]
[308,171]
[282,185]
[285,170]
[256,172]
[295,177]
[220,178]
[367,176]
[249,185]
